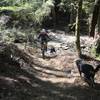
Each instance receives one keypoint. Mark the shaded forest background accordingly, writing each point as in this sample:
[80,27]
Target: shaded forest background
[25,18]
[45,13]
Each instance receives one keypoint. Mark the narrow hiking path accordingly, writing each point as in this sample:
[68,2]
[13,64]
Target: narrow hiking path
[62,68]
[44,79]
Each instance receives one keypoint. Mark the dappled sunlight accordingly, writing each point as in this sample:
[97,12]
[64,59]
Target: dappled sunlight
[40,42]
[43,79]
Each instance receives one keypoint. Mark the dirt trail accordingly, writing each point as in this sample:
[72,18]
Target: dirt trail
[64,77]
[47,79]
[61,69]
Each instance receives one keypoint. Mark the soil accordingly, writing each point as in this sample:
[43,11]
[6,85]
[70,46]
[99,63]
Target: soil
[47,79]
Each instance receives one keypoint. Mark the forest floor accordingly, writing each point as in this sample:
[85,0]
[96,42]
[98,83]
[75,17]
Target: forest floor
[53,78]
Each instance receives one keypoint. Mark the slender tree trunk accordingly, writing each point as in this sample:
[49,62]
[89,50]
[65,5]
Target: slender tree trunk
[72,14]
[98,23]
[95,25]
[77,32]
[97,36]
[54,17]
[94,17]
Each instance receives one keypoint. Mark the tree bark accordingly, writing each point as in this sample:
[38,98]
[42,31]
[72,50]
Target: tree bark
[94,18]
[98,23]
[54,17]
[77,31]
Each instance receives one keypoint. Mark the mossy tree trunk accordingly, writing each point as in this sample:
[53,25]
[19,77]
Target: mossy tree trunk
[77,31]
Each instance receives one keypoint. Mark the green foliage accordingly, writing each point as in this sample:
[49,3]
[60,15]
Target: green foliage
[68,4]
[44,11]
[9,35]
[94,54]
[65,5]
[95,51]
[88,6]
[35,10]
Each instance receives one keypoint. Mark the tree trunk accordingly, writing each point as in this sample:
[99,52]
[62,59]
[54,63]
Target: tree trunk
[72,14]
[54,17]
[94,17]
[97,36]
[95,25]
[77,31]
[98,23]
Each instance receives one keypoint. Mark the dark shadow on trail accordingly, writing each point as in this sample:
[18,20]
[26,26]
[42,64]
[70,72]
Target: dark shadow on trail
[97,86]
[18,84]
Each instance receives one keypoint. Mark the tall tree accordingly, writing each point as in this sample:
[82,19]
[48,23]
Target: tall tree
[77,31]
[95,17]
